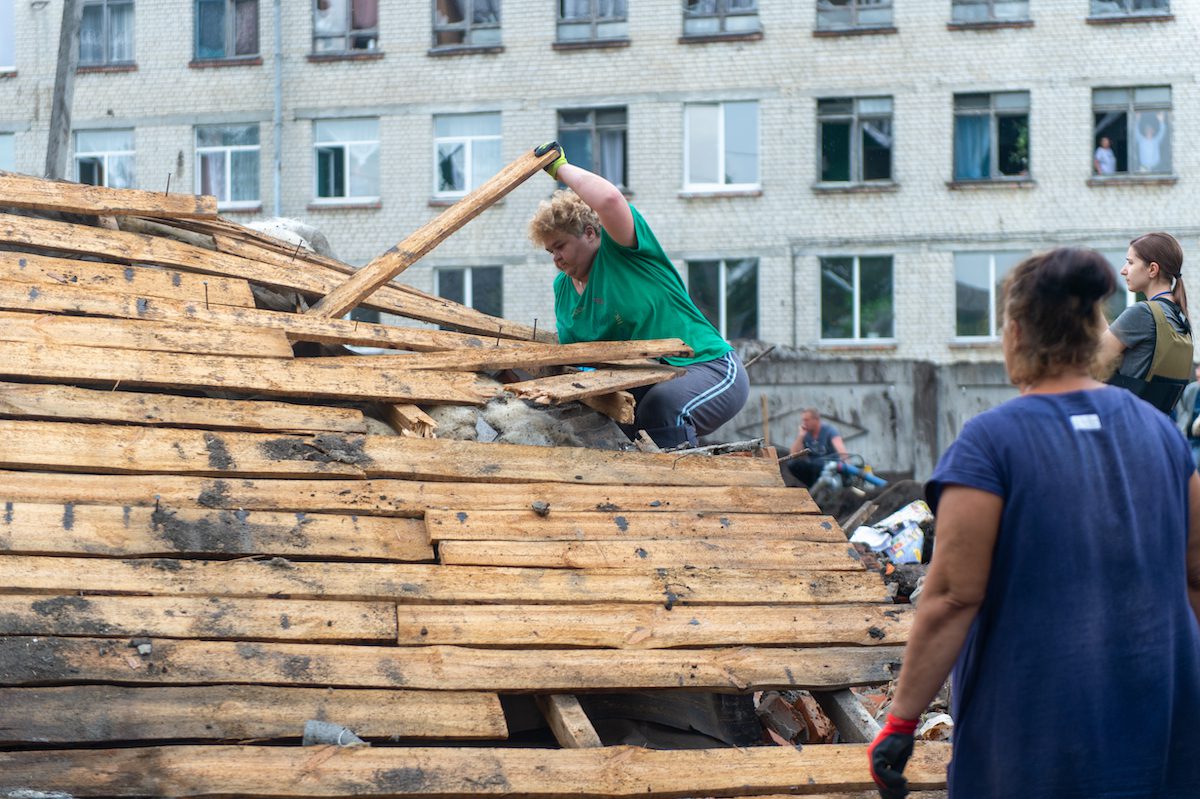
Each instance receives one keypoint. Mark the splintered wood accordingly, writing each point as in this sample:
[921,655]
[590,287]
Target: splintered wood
[209,538]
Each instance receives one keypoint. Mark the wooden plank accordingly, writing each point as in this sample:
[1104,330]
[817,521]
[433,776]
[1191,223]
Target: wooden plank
[410,498]
[558,389]
[623,626]
[568,721]
[409,420]
[379,271]
[111,531]
[493,525]
[123,334]
[285,620]
[533,356]
[635,554]
[39,660]
[99,713]
[25,191]
[307,377]
[144,281]
[67,403]
[428,583]
[617,406]
[853,722]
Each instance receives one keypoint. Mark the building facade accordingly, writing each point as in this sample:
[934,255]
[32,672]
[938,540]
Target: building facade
[852,177]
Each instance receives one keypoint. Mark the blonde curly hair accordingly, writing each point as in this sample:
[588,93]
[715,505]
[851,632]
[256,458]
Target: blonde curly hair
[564,212]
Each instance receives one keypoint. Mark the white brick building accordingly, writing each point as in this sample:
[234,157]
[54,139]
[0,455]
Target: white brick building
[922,194]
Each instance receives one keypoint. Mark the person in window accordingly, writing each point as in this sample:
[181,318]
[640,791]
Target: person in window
[1064,589]
[616,283]
[1149,141]
[1105,160]
[819,442]
[1150,343]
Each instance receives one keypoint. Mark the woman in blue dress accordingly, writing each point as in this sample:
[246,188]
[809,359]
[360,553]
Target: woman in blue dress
[1065,587]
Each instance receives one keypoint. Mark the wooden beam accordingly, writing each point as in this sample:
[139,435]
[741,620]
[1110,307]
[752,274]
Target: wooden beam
[490,525]
[617,406]
[387,266]
[125,334]
[444,773]
[144,281]
[98,713]
[428,583]
[281,620]
[39,660]
[111,531]
[24,191]
[536,356]
[853,722]
[558,389]
[67,403]
[409,420]
[625,626]
[568,721]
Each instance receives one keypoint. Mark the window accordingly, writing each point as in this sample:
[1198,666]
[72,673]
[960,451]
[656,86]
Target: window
[8,36]
[990,10]
[8,152]
[106,33]
[721,145]
[104,158]
[1122,298]
[835,15]
[341,26]
[991,136]
[856,298]
[227,164]
[592,20]
[726,292]
[595,140]
[978,278]
[856,139]
[478,287]
[466,152]
[716,17]
[1136,126]
[466,23]
[347,159]
[1129,8]
[226,28]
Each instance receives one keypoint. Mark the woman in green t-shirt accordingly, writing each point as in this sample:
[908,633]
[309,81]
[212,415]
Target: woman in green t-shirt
[617,284]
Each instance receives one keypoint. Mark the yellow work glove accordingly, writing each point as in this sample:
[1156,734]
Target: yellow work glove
[552,167]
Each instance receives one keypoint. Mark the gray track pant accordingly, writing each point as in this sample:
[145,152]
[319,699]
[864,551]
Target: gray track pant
[693,404]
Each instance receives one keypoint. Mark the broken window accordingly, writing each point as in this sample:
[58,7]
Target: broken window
[716,17]
[8,152]
[978,282]
[721,143]
[466,152]
[991,136]
[106,33]
[596,139]
[341,26]
[857,298]
[726,292]
[592,20]
[478,287]
[8,36]
[226,28]
[835,15]
[1129,8]
[346,155]
[466,23]
[227,164]
[856,139]
[990,10]
[105,158]
[1135,124]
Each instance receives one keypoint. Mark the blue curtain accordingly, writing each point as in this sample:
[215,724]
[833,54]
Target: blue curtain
[972,147]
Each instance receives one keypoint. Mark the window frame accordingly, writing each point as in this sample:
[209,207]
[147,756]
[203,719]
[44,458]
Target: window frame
[105,155]
[468,154]
[227,150]
[721,188]
[468,275]
[468,26]
[594,127]
[348,32]
[721,13]
[993,296]
[991,9]
[230,37]
[722,323]
[994,175]
[347,199]
[594,20]
[856,300]
[1131,109]
[8,28]
[856,118]
[105,37]
[1127,12]
[855,25]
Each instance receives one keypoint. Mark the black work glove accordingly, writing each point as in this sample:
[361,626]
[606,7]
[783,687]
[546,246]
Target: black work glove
[552,167]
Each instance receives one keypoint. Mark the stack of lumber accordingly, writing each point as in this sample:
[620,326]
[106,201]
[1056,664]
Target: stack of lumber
[202,548]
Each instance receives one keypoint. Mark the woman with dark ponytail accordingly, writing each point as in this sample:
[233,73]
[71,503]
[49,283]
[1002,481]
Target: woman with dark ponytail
[1065,587]
[1152,340]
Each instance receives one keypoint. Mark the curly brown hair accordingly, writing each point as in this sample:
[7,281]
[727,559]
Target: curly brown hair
[564,212]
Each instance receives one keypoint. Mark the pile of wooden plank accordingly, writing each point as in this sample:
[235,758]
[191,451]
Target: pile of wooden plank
[202,548]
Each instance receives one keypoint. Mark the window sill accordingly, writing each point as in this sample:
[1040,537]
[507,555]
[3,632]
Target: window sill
[692,194]
[453,50]
[348,205]
[240,209]
[590,44]
[881,187]
[882,30]
[990,343]
[446,202]
[216,63]
[748,36]
[1134,180]
[989,25]
[857,345]
[1121,19]
[103,68]
[992,183]
[326,58]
